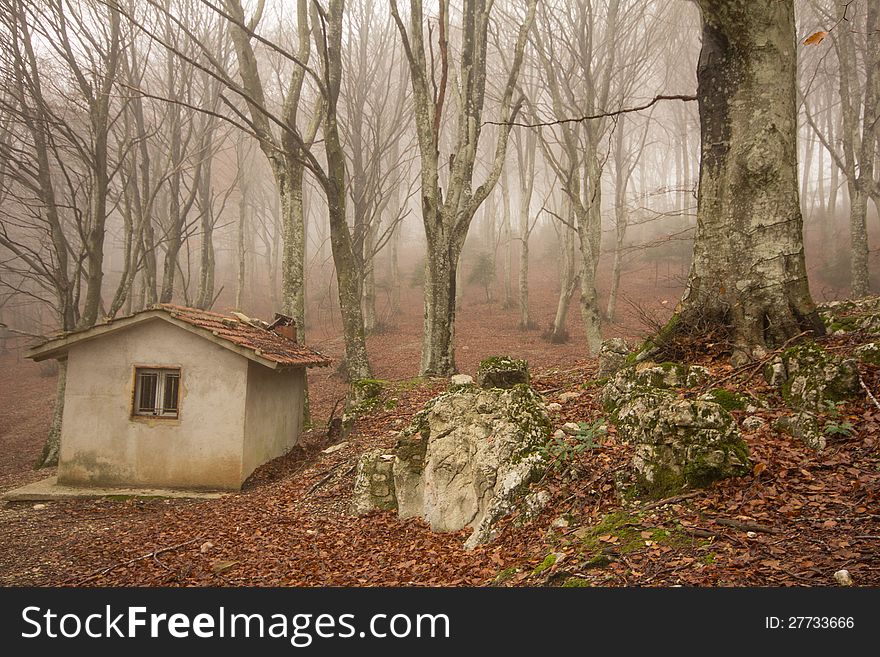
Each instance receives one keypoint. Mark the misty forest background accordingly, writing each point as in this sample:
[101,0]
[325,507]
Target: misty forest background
[332,160]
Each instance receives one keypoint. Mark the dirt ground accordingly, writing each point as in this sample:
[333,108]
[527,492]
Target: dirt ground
[798,518]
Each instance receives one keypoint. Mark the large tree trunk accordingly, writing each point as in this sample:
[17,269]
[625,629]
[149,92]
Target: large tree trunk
[52,446]
[289,181]
[438,349]
[748,274]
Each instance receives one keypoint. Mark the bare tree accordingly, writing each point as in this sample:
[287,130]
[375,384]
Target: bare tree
[447,217]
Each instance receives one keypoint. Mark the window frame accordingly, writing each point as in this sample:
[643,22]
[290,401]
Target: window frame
[159,411]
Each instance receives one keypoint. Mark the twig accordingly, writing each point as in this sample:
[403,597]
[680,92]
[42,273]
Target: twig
[323,480]
[670,500]
[868,390]
[154,554]
[626,110]
[746,526]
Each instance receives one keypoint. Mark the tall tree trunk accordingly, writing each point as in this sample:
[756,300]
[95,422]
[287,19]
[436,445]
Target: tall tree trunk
[748,274]
[568,283]
[52,446]
[289,181]
[438,350]
[858,231]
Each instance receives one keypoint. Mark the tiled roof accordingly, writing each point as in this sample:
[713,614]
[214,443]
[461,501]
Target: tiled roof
[263,342]
[253,339]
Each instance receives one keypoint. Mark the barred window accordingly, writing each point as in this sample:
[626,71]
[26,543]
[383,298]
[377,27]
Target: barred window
[156,392]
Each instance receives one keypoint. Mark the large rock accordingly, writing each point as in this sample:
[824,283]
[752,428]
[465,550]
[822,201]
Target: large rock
[810,377]
[648,376]
[468,458]
[374,483]
[612,357]
[502,372]
[680,443]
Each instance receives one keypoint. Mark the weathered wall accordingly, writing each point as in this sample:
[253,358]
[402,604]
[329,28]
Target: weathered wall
[273,414]
[103,445]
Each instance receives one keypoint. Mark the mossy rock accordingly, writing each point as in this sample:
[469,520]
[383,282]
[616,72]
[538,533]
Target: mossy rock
[851,315]
[374,483]
[681,443]
[729,400]
[647,377]
[803,426]
[811,377]
[364,389]
[868,353]
[502,372]
[576,583]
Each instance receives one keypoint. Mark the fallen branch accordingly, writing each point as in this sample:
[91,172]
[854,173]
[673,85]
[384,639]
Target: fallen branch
[746,526]
[868,390]
[670,500]
[154,554]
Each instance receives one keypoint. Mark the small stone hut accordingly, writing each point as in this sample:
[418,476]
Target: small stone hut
[176,397]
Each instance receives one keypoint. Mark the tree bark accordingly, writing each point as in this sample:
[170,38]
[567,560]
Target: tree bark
[748,274]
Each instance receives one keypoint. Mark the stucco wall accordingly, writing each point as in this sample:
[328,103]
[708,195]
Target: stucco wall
[273,415]
[101,444]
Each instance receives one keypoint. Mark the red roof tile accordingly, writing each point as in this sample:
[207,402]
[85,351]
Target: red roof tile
[266,344]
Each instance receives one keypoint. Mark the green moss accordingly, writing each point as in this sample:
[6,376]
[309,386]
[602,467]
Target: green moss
[575,583]
[367,388]
[504,576]
[598,561]
[728,400]
[546,564]
[502,372]
[708,559]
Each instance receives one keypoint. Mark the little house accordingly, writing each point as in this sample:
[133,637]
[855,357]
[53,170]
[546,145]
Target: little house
[174,397]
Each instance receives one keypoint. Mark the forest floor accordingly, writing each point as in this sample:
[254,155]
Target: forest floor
[798,517]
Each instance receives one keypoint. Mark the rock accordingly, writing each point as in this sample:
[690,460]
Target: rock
[204,547]
[729,400]
[612,356]
[774,373]
[502,372]
[566,397]
[571,428]
[812,377]
[843,578]
[466,460]
[334,448]
[650,376]
[560,523]
[374,483]
[804,426]
[39,507]
[559,434]
[534,503]
[461,380]
[868,353]
[680,443]
[554,407]
[364,389]
[753,423]
[851,315]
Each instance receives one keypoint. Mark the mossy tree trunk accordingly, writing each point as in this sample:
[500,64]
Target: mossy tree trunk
[748,274]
